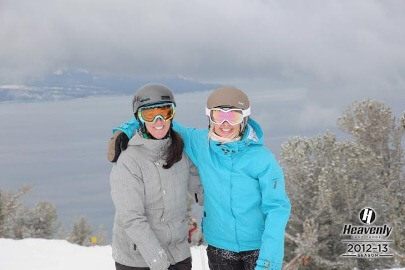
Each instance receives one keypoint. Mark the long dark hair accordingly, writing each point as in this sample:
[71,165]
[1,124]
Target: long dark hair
[174,152]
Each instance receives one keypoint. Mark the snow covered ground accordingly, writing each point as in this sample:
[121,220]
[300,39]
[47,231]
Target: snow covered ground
[42,254]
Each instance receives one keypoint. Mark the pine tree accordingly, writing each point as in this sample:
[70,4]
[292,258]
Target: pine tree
[12,213]
[329,182]
[101,235]
[41,221]
[372,125]
[81,232]
[1,213]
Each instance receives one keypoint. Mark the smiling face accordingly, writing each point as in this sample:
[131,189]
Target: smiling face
[159,128]
[226,130]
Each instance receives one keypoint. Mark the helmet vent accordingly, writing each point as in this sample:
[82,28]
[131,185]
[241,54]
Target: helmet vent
[165,97]
[145,99]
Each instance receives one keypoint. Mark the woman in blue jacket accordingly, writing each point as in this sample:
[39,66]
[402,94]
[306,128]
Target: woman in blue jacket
[246,208]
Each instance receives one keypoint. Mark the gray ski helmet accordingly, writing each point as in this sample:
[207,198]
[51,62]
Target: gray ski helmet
[152,93]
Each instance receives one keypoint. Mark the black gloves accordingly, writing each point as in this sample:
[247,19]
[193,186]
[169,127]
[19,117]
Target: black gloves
[117,143]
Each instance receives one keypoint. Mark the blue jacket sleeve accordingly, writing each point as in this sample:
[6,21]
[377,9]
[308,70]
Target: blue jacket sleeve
[128,127]
[276,207]
[187,134]
[190,139]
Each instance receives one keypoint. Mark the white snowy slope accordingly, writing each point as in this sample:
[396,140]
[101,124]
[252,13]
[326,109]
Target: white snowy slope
[42,254]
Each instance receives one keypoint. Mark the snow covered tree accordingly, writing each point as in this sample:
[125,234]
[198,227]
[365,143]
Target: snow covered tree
[62,232]
[40,222]
[329,182]
[11,210]
[101,235]
[372,125]
[81,232]
[1,213]
[18,221]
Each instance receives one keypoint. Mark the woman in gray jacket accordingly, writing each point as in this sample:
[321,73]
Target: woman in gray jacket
[149,185]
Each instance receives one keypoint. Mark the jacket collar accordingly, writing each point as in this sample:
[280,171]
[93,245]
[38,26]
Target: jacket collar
[155,149]
[253,135]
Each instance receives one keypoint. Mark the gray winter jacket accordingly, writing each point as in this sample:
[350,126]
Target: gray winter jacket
[150,227]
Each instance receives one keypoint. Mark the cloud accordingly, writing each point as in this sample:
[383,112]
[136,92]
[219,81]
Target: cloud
[314,116]
[326,41]
[338,51]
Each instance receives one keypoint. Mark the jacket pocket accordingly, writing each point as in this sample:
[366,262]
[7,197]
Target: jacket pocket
[180,232]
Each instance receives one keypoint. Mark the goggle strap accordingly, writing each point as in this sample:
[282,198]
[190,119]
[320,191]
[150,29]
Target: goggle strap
[153,106]
[157,106]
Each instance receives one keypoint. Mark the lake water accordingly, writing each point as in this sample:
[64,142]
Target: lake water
[60,147]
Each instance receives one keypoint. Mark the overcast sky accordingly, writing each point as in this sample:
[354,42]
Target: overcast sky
[338,42]
[326,54]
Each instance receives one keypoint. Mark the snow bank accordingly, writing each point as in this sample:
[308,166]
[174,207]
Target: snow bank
[42,254]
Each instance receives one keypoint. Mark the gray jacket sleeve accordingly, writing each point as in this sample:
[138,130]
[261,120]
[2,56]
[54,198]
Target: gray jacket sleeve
[194,185]
[127,192]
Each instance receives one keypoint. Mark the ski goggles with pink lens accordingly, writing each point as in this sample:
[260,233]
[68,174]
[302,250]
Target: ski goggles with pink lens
[232,116]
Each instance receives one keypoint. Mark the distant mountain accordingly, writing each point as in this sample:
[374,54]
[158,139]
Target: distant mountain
[80,83]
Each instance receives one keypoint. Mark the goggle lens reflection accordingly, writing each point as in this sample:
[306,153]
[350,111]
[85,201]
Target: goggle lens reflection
[150,114]
[232,116]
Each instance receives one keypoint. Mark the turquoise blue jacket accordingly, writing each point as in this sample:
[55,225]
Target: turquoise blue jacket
[245,204]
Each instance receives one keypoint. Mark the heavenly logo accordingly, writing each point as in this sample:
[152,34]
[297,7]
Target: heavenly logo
[367,215]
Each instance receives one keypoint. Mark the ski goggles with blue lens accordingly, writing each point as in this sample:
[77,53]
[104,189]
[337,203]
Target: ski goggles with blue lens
[164,111]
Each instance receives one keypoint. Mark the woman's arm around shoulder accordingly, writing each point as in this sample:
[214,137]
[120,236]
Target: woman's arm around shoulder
[195,188]
[194,139]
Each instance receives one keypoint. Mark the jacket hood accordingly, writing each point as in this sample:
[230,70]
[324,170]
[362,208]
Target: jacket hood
[253,133]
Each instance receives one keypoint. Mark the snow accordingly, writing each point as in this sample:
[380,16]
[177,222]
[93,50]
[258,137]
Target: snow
[42,254]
